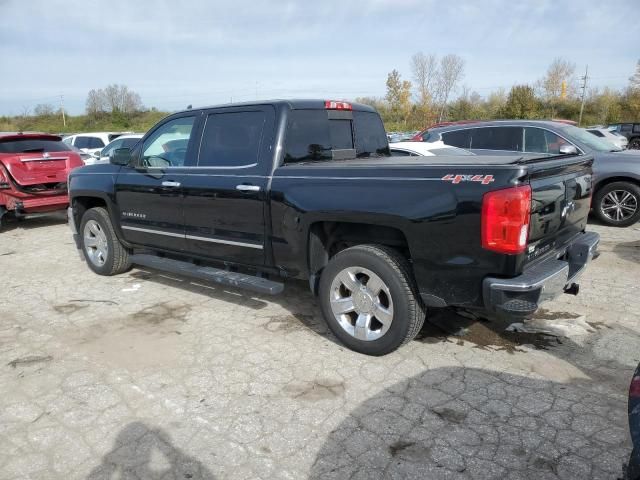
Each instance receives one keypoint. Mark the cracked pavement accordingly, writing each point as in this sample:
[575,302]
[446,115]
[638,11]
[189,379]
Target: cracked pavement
[148,376]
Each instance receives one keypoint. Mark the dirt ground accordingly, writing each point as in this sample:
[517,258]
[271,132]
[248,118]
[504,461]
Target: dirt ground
[148,376]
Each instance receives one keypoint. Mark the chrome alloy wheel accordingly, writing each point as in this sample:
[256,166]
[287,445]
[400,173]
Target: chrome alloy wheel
[361,303]
[618,205]
[95,243]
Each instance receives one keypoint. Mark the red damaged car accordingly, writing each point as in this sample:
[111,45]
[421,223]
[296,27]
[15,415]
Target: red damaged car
[33,173]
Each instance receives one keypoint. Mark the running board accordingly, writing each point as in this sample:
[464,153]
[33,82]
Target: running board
[209,274]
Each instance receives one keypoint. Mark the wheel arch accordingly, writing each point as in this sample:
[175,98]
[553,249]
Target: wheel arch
[615,178]
[327,238]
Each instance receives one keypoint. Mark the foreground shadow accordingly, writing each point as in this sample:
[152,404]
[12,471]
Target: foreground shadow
[142,452]
[629,251]
[450,423]
[56,218]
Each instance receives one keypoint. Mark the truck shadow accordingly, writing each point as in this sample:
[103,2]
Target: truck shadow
[140,451]
[455,422]
[301,312]
[301,309]
[9,224]
[629,251]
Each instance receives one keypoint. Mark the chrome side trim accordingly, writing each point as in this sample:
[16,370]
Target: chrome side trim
[225,242]
[147,230]
[193,237]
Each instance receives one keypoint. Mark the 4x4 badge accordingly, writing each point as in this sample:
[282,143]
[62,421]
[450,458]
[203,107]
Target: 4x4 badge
[457,178]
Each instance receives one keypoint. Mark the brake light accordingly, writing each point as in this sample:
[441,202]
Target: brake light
[334,105]
[505,219]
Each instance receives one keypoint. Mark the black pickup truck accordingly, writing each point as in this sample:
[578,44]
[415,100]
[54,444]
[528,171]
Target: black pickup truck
[248,194]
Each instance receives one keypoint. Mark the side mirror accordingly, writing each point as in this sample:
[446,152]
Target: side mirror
[97,154]
[120,156]
[568,150]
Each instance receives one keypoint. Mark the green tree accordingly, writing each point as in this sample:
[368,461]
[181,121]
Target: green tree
[521,103]
[398,97]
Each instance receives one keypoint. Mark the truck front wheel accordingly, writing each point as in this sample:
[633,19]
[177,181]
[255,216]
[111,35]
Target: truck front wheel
[369,300]
[102,250]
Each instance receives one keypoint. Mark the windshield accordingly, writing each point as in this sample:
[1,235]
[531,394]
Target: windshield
[588,139]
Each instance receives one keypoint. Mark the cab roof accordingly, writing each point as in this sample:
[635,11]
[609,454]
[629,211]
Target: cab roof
[293,104]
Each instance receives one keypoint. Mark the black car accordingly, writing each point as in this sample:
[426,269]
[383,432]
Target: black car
[629,130]
[616,198]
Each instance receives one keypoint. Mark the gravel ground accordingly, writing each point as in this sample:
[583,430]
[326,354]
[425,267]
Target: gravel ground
[148,376]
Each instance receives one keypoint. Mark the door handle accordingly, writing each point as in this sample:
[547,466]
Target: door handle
[171,184]
[248,188]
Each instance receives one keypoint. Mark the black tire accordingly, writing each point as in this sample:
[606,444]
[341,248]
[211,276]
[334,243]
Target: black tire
[599,203]
[634,144]
[117,256]
[394,270]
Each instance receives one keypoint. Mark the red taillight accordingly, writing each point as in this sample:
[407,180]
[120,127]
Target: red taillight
[333,105]
[505,219]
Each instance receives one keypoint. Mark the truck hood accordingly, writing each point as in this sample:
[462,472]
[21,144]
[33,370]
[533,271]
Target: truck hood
[40,168]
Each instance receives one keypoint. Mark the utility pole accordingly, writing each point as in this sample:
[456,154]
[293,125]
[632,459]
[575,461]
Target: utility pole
[64,119]
[584,91]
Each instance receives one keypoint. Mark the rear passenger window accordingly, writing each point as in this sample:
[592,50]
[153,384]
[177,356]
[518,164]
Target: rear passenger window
[497,138]
[231,139]
[625,127]
[458,138]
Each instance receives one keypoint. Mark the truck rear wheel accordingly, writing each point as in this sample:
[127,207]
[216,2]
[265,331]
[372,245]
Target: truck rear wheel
[618,204]
[102,250]
[369,300]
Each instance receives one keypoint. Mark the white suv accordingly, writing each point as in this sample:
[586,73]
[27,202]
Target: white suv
[91,143]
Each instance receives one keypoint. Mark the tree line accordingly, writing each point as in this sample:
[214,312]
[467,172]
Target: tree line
[435,93]
[114,107]
[428,98]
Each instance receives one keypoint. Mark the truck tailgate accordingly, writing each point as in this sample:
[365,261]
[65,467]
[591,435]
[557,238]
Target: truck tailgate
[560,201]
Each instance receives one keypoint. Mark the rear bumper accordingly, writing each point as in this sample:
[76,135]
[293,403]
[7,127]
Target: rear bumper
[521,296]
[24,205]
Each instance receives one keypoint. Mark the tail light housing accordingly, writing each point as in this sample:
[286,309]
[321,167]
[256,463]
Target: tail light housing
[505,219]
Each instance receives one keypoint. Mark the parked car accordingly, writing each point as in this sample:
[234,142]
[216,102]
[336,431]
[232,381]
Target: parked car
[308,189]
[633,467]
[425,149]
[123,141]
[616,198]
[93,142]
[631,131]
[33,174]
[613,137]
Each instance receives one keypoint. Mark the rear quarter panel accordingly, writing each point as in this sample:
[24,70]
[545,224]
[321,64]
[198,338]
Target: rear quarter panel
[440,219]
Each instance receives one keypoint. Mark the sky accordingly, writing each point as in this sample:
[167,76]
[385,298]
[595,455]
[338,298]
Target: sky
[204,52]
